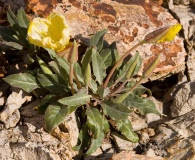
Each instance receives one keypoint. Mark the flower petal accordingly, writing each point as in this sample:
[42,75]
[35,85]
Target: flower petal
[170,35]
[52,32]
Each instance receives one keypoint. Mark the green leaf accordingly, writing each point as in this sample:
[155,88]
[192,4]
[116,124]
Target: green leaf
[134,67]
[20,31]
[108,56]
[80,98]
[78,72]
[116,111]
[13,45]
[84,140]
[25,81]
[94,121]
[6,34]
[106,125]
[46,101]
[56,113]
[93,86]
[23,21]
[99,68]
[45,68]
[144,105]
[53,83]
[59,71]
[59,61]
[97,40]
[103,92]
[95,144]
[87,58]
[139,90]
[125,127]
[124,70]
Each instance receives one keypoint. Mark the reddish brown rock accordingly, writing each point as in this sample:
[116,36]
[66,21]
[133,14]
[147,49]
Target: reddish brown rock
[127,22]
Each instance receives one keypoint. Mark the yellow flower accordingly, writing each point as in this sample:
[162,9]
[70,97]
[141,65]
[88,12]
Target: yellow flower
[52,32]
[163,34]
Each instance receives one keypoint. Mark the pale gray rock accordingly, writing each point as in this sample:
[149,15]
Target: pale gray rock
[122,143]
[184,100]
[151,117]
[137,121]
[186,16]
[191,65]
[10,114]
[29,141]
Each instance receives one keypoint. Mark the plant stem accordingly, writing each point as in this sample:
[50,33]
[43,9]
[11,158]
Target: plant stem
[119,88]
[120,61]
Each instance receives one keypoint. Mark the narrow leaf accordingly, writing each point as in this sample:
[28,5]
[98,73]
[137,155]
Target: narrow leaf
[124,70]
[93,86]
[25,81]
[23,21]
[144,105]
[87,58]
[134,68]
[116,111]
[83,140]
[125,127]
[78,72]
[95,144]
[106,125]
[103,92]
[53,83]
[79,98]
[97,40]
[56,113]
[139,90]
[94,121]
[45,68]
[59,70]
[7,34]
[99,68]
[109,56]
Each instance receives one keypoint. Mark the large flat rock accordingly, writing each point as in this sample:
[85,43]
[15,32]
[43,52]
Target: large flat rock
[127,22]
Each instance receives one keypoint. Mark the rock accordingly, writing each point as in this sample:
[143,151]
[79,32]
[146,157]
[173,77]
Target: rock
[186,16]
[151,153]
[184,100]
[137,121]
[127,22]
[103,153]
[72,127]
[191,65]
[28,140]
[133,156]
[40,7]
[175,138]
[121,143]
[151,117]
[13,4]
[10,114]
[184,125]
